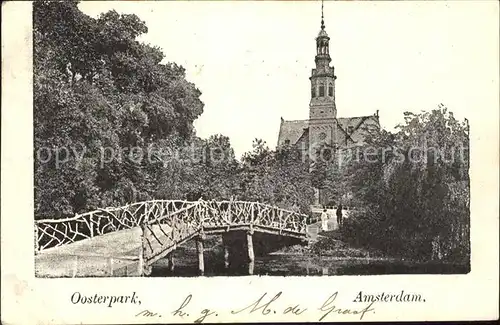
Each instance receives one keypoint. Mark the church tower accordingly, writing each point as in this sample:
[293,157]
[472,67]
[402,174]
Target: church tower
[322,110]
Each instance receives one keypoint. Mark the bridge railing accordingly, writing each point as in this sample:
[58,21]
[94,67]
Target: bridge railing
[57,232]
[168,225]
[162,231]
[227,213]
[164,223]
[274,217]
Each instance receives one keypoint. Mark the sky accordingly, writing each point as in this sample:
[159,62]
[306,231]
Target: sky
[252,60]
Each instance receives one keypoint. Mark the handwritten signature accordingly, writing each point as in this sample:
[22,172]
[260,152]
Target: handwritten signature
[265,306]
[181,312]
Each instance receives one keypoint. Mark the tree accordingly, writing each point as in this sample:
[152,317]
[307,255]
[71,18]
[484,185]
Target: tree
[278,177]
[416,190]
[102,101]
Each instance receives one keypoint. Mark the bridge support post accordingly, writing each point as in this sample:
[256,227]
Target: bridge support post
[37,248]
[199,249]
[225,244]
[110,266]
[171,264]
[144,268]
[75,267]
[226,256]
[251,255]
[140,262]
[148,269]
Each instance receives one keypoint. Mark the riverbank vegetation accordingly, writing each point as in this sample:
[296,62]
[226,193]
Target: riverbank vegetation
[412,191]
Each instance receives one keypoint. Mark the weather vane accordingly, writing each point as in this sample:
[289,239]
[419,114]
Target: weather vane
[322,17]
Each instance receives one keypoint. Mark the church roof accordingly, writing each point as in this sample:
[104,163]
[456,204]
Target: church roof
[354,122]
[292,130]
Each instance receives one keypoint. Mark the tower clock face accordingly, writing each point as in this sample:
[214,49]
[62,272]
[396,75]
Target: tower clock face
[322,136]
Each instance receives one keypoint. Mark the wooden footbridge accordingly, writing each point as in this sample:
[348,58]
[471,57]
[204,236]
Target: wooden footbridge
[126,241]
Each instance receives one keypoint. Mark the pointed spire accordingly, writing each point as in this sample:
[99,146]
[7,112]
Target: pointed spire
[322,32]
[322,17]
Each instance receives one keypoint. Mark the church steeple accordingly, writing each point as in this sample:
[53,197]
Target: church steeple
[322,78]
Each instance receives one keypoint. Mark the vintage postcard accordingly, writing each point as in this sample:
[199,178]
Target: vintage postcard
[236,161]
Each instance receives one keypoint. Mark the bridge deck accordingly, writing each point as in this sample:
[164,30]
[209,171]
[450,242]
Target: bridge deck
[111,254]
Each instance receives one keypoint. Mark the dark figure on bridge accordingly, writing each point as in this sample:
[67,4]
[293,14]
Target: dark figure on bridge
[339,215]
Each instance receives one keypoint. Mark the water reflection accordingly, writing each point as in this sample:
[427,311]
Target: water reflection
[186,264]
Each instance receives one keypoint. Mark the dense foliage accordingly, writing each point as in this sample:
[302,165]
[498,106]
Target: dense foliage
[102,100]
[278,177]
[414,189]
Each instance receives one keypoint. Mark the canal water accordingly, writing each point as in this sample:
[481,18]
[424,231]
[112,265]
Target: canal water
[349,262]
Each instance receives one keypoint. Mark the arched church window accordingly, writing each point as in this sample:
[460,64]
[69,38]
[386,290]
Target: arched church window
[321,90]
[313,92]
[330,90]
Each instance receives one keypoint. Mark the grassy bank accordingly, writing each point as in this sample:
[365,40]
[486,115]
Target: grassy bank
[329,244]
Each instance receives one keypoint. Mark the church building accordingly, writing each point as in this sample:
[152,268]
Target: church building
[324,128]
